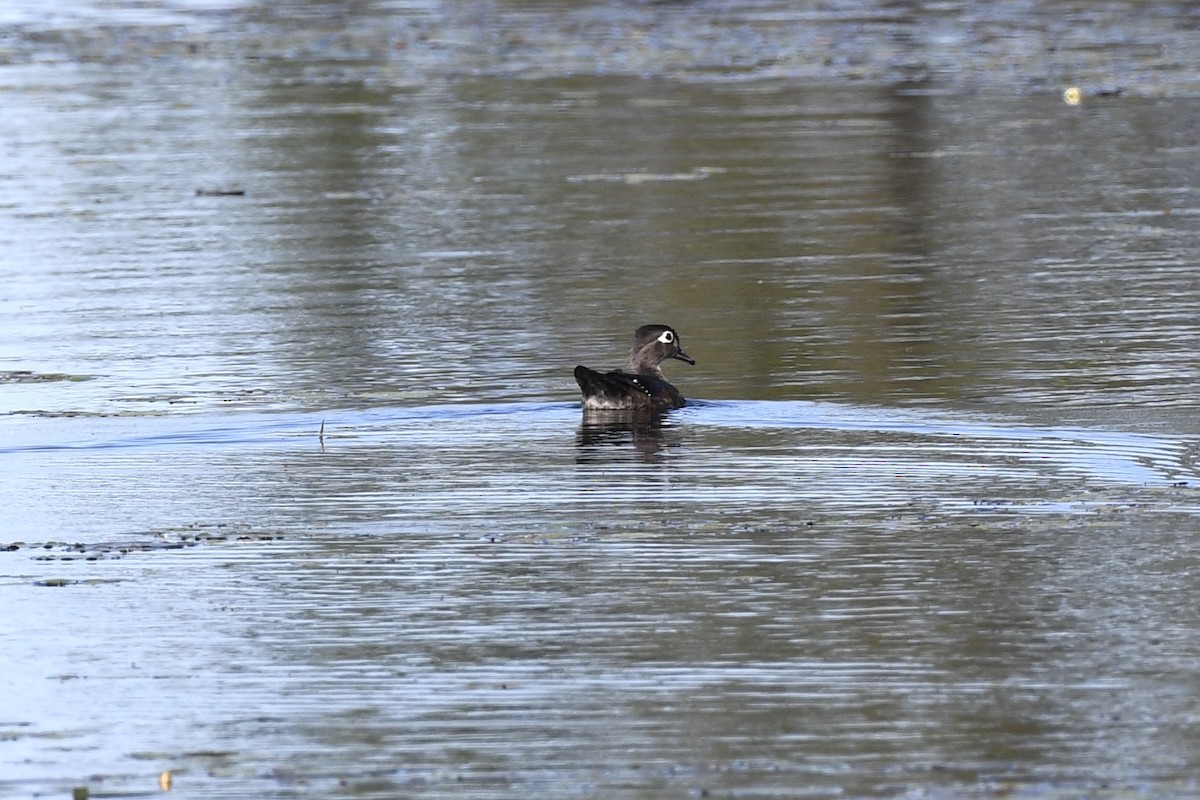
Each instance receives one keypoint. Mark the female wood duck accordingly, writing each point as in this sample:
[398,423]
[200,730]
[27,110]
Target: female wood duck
[643,387]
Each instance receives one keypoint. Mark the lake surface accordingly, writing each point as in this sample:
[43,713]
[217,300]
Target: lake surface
[299,500]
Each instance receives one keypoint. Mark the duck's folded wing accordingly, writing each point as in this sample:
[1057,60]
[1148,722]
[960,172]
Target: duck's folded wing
[618,389]
[613,389]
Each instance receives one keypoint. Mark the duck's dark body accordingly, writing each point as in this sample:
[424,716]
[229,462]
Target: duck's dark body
[643,387]
[618,390]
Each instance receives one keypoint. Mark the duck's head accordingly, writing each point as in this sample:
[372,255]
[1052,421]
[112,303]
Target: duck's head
[654,344]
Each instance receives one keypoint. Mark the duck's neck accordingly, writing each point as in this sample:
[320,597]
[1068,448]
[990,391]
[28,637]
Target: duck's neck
[645,363]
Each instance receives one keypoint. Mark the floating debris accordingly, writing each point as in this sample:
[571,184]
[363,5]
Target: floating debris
[220,192]
[29,376]
[151,541]
[638,178]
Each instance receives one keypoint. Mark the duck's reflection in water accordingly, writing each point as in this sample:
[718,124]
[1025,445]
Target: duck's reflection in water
[648,433]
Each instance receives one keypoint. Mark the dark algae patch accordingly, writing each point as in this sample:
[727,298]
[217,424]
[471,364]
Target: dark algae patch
[144,543]
[28,376]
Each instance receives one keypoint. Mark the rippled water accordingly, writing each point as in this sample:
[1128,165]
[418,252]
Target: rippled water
[300,500]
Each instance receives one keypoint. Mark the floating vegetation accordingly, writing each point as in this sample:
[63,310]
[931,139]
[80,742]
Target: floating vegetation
[220,192]
[72,412]
[29,376]
[175,539]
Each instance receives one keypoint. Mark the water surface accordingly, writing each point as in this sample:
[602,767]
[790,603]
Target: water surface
[300,500]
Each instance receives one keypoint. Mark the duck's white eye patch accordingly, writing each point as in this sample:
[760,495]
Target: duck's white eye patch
[666,337]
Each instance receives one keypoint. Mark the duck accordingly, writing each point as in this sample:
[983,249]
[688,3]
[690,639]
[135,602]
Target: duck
[643,387]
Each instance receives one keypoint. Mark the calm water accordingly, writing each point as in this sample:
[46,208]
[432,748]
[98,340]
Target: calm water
[299,501]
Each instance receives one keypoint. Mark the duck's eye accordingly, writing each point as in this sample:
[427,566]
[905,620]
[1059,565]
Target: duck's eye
[667,337]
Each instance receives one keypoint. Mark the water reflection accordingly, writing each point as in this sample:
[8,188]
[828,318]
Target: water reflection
[605,430]
[408,244]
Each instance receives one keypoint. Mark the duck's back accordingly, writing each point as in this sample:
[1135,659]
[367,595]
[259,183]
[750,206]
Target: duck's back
[625,390]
